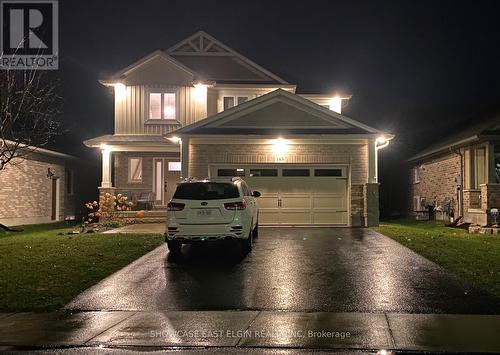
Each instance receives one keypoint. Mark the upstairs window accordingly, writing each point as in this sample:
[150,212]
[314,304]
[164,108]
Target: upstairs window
[162,106]
[231,101]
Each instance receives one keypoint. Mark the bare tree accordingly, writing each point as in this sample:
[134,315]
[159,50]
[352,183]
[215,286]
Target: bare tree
[30,106]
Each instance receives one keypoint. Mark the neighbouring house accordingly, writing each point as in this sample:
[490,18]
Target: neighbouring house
[199,109]
[39,188]
[460,175]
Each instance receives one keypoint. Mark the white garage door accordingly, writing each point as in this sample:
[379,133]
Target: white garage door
[294,194]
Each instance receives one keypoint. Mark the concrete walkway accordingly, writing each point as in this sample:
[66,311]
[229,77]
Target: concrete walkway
[251,329]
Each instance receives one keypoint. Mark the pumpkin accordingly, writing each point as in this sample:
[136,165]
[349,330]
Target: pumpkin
[140,214]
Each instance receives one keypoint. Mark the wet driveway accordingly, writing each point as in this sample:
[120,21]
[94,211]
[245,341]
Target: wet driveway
[293,269]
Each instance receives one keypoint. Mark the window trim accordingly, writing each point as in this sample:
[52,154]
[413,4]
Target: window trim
[129,170]
[162,120]
[235,100]
[417,174]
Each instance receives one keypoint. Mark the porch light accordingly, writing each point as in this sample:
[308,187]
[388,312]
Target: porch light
[200,92]
[175,139]
[335,104]
[104,147]
[280,146]
[120,91]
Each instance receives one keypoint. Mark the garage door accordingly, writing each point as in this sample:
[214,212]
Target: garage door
[295,195]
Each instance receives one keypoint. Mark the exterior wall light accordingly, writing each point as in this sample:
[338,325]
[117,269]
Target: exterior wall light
[120,91]
[175,140]
[381,142]
[280,148]
[200,92]
[335,104]
[104,147]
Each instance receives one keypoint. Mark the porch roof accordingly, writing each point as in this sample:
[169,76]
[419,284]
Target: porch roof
[121,139]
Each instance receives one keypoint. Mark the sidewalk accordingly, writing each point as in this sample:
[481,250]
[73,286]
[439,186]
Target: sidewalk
[262,329]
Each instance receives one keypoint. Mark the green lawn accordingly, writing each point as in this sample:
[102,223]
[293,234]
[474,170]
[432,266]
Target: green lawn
[473,257]
[41,270]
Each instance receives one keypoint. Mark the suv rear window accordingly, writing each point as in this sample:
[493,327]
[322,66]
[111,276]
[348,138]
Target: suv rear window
[206,191]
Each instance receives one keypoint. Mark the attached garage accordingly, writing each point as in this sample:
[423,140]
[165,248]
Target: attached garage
[295,194]
[313,166]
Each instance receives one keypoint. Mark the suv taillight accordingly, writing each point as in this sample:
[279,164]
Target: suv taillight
[175,206]
[235,206]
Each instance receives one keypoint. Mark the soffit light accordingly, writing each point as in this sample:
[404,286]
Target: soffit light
[120,91]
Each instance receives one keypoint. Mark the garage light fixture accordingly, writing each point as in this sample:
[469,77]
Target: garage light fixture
[280,146]
[381,142]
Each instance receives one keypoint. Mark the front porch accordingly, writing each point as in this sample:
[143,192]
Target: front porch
[144,168]
[479,202]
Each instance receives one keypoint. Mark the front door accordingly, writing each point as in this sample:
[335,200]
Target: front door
[166,175]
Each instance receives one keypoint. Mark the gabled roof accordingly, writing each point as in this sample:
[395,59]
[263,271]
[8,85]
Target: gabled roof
[487,128]
[215,61]
[144,61]
[279,112]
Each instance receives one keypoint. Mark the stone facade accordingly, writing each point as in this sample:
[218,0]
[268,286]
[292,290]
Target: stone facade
[26,191]
[364,199]
[437,183]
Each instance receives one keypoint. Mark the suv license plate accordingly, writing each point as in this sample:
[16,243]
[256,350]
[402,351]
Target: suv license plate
[204,213]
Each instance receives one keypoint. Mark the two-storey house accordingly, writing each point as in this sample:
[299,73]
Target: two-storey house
[200,109]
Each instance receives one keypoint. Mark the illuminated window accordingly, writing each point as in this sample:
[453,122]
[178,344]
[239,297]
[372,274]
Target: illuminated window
[162,106]
[135,169]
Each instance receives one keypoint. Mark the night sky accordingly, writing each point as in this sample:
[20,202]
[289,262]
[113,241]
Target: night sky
[417,69]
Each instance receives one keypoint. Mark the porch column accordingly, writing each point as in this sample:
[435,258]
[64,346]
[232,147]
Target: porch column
[372,161]
[106,168]
[184,157]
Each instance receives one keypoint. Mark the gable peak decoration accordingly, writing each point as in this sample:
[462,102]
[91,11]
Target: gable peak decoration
[202,43]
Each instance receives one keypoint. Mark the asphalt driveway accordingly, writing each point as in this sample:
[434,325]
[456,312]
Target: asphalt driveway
[292,269]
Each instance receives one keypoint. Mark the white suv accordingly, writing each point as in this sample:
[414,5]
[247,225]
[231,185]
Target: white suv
[212,210]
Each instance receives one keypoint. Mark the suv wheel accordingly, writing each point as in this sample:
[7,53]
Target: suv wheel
[247,244]
[256,231]
[174,247]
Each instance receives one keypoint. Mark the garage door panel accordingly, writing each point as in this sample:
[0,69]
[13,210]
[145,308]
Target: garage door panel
[326,217]
[298,200]
[296,216]
[331,201]
[268,217]
[268,201]
[301,201]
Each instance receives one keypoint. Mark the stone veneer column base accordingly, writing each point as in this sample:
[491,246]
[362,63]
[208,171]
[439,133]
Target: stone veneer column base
[371,204]
[102,192]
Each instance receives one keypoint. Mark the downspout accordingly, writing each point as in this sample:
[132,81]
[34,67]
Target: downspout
[461,190]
